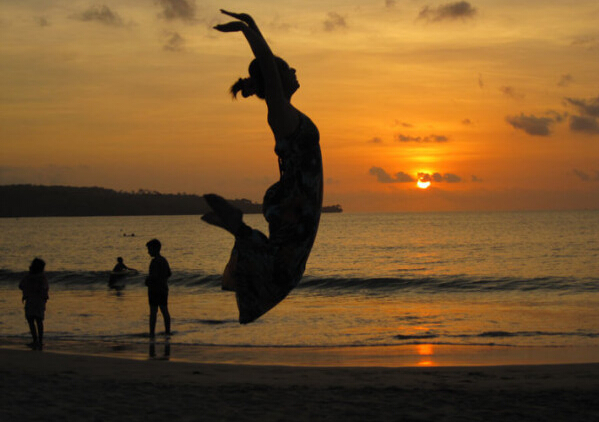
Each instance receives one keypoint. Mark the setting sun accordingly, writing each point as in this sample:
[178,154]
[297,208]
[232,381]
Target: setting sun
[383,114]
[423,184]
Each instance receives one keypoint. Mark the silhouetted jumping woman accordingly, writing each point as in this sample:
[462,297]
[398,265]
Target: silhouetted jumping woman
[263,270]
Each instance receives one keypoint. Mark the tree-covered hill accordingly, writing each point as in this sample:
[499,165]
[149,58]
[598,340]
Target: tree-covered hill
[68,201]
[38,201]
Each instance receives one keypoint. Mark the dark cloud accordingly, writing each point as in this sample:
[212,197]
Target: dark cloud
[404,124]
[475,179]
[101,14]
[511,92]
[178,9]
[334,21]
[585,177]
[389,3]
[419,139]
[589,42]
[452,178]
[42,21]
[582,175]
[449,11]
[481,84]
[407,138]
[584,124]
[466,122]
[383,177]
[588,107]
[557,116]
[536,126]
[438,178]
[375,140]
[175,42]
[402,177]
[565,80]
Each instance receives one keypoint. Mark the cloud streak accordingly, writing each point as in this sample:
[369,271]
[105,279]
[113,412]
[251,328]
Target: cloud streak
[565,80]
[334,21]
[418,139]
[588,107]
[42,21]
[439,178]
[178,9]
[585,177]
[587,123]
[535,126]
[383,177]
[175,42]
[101,14]
[449,11]
[584,124]
[511,92]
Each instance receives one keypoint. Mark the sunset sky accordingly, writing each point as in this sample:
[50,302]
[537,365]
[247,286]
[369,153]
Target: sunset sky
[495,102]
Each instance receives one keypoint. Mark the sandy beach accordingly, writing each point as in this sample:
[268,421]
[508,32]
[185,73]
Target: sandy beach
[40,386]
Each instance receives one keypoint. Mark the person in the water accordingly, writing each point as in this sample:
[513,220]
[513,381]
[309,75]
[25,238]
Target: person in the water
[263,270]
[120,266]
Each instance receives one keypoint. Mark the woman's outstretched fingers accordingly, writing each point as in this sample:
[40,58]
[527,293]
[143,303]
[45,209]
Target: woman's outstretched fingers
[230,27]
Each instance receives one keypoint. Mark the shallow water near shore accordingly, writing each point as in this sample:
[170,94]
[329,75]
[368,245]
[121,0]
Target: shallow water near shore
[379,289]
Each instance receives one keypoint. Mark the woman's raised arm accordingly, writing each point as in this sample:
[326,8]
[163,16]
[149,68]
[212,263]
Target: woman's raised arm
[282,117]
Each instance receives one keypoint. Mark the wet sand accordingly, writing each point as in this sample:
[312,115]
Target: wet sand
[40,386]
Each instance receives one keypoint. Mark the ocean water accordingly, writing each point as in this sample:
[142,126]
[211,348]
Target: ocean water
[504,280]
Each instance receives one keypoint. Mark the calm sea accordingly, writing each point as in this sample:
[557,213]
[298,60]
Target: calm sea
[514,280]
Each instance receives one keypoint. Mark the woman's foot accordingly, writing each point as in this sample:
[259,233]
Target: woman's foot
[225,215]
[214,219]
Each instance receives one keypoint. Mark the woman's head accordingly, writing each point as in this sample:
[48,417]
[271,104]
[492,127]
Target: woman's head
[254,85]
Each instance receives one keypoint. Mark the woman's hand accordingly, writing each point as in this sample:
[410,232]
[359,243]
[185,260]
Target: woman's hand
[243,17]
[231,27]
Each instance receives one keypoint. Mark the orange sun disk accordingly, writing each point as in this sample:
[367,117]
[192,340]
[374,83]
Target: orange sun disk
[422,184]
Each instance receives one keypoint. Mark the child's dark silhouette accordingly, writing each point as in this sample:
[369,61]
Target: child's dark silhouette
[35,295]
[157,282]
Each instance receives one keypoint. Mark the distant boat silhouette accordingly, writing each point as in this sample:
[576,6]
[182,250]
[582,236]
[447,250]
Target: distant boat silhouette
[332,208]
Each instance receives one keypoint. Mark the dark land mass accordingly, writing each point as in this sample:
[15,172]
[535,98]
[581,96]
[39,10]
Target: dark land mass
[68,201]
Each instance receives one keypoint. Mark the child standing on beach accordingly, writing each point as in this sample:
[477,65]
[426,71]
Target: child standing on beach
[35,295]
[157,284]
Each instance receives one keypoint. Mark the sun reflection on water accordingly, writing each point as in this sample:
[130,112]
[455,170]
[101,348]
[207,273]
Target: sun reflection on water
[425,351]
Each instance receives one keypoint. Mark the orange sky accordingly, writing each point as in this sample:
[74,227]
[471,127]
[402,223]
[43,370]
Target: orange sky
[497,101]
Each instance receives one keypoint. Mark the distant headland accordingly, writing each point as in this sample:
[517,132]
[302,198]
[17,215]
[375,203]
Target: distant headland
[69,201]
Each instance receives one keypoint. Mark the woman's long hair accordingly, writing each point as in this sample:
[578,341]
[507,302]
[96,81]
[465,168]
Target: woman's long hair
[254,85]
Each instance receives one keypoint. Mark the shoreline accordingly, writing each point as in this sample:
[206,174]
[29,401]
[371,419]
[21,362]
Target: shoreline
[54,386]
[389,356]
